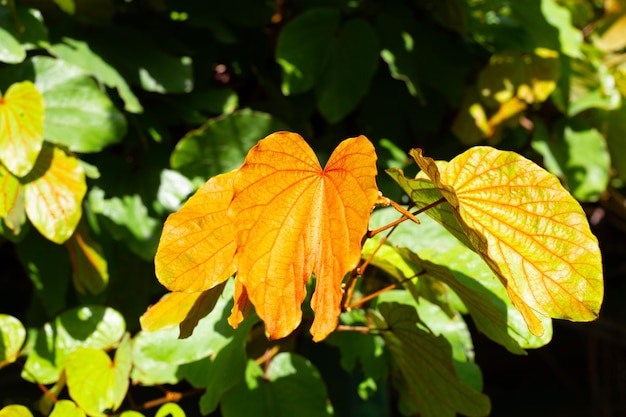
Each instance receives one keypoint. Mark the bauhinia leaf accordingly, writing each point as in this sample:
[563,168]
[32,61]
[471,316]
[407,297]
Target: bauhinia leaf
[531,232]
[21,127]
[197,245]
[89,266]
[54,192]
[11,200]
[293,218]
[12,336]
[425,361]
[66,408]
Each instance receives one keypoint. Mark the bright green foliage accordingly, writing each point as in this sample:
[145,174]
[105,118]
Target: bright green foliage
[112,114]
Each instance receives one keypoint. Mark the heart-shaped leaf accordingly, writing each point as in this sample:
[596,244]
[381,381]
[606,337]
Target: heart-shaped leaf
[12,336]
[54,192]
[293,218]
[15,410]
[531,232]
[97,384]
[66,408]
[21,127]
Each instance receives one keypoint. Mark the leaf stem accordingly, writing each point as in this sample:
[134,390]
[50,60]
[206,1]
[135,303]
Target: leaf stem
[404,217]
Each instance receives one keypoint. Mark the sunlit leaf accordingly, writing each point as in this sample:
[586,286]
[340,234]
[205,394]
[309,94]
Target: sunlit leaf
[11,51]
[66,408]
[21,127]
[197,244]
[15,410]
[170,410]
[89,266]
[11,200]
[529,230]
[280,390]
[54,192]
[97,384]
[12,336]
[292,219]
[180,308]
[425,361]
[94,327]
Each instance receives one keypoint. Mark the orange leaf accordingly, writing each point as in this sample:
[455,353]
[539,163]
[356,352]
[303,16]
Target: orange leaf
[21,127]
[293,218]
[53,192]
[531,232]
[197,245]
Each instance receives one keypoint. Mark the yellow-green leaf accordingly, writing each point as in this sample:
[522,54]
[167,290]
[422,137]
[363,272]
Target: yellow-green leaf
[12,336]
[197,245]
[530,231]
[97,384]
[11,200]
[66,408]
[54,191]
[15,410]
[21,127]
[89,267]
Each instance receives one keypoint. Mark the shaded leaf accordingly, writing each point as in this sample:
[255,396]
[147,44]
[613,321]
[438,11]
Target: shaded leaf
[425,361]
[292,219]
[11,51]
[11,201]
[97,384]
[288,382]
[529,230]
[21,127]
[221,144]
[197,244]
[12,337]
[89,266]
[54,192]
[93,327]
[66,408]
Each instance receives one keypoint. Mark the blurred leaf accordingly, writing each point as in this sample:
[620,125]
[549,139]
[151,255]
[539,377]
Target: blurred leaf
[34,33]
[66,408]
[302,48]
[12,337]
[21,127]
[610,32]
[79,53]
[97,384]
[11,51]
[288,382]
[173,189]
[15,411]
[616,140]
[351,65]
[170,410]
[53,193]
[577,154]
[562,270]
[221,144]
[89,266]
[11,201]
[93,327]
[425,361]
[590,85]
[473,281]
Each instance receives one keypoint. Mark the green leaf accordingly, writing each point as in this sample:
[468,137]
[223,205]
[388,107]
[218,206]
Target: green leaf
[96,384]
[472,280]
[78,114]
[221,144]
[616,140]
[93,327]
[21,127]
[289,386]
[577,154]
[131,414]
[80,54]
[302,48]
[54,192]
[425,362]
[173,190]
[11,51]
[536,239]
[170,410]
[352,63]
[15,411]
[12,337]
[11,201]
[158,354]
[66,408]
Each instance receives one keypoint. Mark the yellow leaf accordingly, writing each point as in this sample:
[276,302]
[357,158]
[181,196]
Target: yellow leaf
[11,200]
[21,127]
[293,218]
[54,191]
[531,232]
[197,245]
